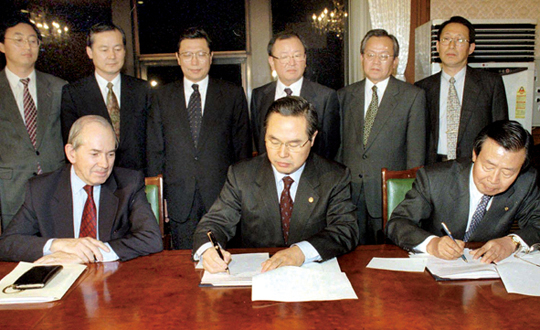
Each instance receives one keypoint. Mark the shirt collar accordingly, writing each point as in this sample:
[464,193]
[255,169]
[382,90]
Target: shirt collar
[381,85]
[14,79]
[296,87]
[77,184]
[458,76]
[203,84]
[102,82]
[295,175]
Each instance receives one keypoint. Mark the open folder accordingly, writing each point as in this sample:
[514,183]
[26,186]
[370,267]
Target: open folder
[54,290]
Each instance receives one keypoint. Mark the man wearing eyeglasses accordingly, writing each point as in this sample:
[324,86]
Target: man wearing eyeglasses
[123,100]
[287,57]
[460,100]
[198,126]
[288,197]
[383,125]
[30,136]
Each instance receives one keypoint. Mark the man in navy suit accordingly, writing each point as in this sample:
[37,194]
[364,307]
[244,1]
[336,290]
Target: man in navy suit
[85,212]
[198,126]
[126,103]
[478,201]
[28,146]
[287,57]
[481,98]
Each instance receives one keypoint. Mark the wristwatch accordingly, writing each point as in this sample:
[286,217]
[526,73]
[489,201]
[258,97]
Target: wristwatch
[516,241]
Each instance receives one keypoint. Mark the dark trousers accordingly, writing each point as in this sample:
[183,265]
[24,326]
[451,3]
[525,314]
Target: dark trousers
[370,228]
[182,232]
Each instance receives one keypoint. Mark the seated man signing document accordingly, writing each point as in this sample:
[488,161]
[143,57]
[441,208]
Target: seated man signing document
[86,211]
[287,197]
[478,200]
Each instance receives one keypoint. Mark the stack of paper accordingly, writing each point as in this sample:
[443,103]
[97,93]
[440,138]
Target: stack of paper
[460,270]
[242,268]
[54,290]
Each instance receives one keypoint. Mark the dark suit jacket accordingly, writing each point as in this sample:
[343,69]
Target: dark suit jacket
[18,158]
[224,138]
[484,101]
[323,213]
[126,220]
[324,100]
[83,97]
[397,139]
[441,193]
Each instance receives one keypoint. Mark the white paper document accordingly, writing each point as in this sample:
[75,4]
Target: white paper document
[460,270]
[54,290]
[398,264]
[242,268]
[294,284]
[521,277]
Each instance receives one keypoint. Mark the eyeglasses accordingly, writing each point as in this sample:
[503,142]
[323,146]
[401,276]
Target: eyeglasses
[457,41]
[521,253]
[34,42]
[381,57]
[188,56]
[292,147]
[287,58]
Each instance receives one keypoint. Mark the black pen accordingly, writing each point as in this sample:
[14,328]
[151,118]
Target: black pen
[214,242]
[452,237]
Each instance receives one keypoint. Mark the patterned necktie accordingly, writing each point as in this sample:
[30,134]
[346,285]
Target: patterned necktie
[453,111]
[286,207]
[288,91]
[30,116]
[195,113]
[371,114]
[89,217]
[114,109]
[477,216]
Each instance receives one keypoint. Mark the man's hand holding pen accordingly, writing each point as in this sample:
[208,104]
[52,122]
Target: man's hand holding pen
[213,263]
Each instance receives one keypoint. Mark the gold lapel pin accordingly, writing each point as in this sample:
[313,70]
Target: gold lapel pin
[310,199]
[506,208]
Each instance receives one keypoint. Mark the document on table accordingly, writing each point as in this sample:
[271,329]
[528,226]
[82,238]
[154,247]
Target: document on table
[398,264]
[54,290]
[521,277]
[294,284]
[460,270]
[242,268]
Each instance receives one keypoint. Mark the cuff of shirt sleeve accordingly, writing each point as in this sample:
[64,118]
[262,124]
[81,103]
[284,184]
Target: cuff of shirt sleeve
[109,256]
[198,255]
[522,245]
[47,247]
[422,247]
[310,253]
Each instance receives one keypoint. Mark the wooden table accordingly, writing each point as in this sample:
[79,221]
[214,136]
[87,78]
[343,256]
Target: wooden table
[161,292]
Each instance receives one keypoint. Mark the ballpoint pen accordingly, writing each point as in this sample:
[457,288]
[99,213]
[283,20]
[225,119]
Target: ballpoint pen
[452,237]
[214,242]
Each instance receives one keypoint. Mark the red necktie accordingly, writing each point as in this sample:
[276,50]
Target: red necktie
[89,217]
[286,207]
[30,115]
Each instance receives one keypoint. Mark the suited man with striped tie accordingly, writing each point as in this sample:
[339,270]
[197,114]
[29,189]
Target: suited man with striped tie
[30,137]
[478,200]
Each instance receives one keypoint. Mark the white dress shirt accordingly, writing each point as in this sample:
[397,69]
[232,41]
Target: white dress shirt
[368,94]
[102,83]
[295,87]
[17,88]
[203,88]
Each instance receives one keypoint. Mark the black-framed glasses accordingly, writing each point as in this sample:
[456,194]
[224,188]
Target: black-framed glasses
[291,146]
[34,42]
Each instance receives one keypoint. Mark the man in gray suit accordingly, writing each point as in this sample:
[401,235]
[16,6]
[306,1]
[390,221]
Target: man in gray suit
[288,197]
[287,57]
[460,100]
[30,137]
[383,125]
[478,201]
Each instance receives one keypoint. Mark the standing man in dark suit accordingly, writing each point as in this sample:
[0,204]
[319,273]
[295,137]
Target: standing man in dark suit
[198,126]
[288,197]
[30,134]
[460,100]
[383,125]
[125,103]
[84,212]
[287,57]
[477,200]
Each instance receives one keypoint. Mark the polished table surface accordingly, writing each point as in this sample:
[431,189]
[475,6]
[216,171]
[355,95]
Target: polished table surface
[161,291]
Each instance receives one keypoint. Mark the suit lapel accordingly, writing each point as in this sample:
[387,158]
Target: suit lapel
[308,92]
[9,106]
[266,191]
[44,97]
[470,94]
[126,104]
[387,105]
[305,201]
[108,206]
[356,107]
[433,94]
[211,114]
[62,203]
[461,199]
